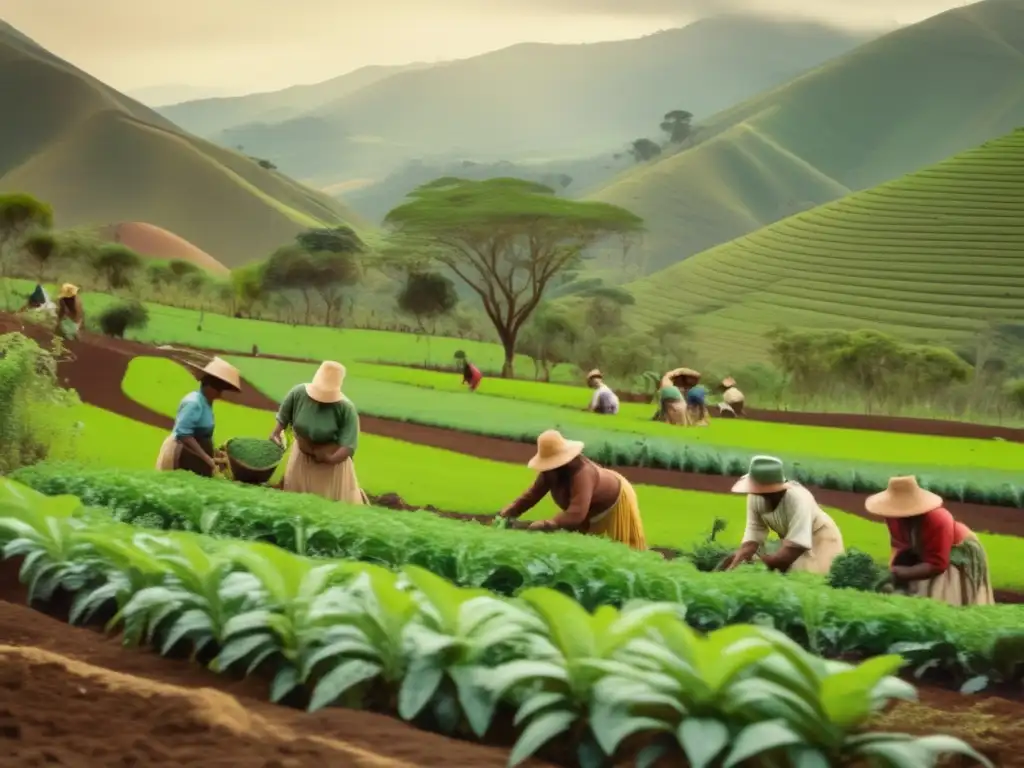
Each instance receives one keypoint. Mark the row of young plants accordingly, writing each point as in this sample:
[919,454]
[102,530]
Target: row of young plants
[635,683]
[593,571]
[623,449]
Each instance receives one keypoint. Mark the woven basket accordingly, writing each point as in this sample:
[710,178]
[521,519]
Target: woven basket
[243,473]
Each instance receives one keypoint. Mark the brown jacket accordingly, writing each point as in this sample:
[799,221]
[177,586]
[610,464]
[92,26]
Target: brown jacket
[580,493]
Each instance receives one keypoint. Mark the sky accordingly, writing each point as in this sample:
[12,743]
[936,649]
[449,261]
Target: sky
[241,46]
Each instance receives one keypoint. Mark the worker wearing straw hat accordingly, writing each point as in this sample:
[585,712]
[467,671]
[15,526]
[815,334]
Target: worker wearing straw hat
[731,405]
[190,444]
[593,499]
[604,400]
[70,312]
[810,538]
[933,555]
[326,427]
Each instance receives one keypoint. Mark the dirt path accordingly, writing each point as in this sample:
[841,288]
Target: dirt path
[100,363]
[63,688]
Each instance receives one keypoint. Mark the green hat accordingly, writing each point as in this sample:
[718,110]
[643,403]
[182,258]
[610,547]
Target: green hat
[766,475]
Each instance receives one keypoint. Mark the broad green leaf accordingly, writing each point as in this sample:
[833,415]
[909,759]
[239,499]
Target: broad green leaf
[501,678]
[446,598]
[285,681]
[419,686]
[759,738]
[475,698]
[847,696]
[340,679]
[702,739]
[535,703]
[539,732]
[189,622]
[239,649]
[568,622]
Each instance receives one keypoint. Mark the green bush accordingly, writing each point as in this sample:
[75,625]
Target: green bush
[854,569]
[33,406]
[118,318]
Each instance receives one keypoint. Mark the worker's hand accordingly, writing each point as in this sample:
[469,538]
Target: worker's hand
[276,438]
[541,525]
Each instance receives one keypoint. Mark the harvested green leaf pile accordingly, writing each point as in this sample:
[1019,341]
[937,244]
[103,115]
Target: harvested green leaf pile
[255,452]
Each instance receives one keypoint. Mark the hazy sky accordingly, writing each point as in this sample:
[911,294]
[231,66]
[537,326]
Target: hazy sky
[248,45]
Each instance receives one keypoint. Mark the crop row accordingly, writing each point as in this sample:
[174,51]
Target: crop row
[328,632]
[593,571]
[523,421]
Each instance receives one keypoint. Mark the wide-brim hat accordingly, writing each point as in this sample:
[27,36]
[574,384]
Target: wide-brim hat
[595,374]
[221,370]
[326,384]
[728,382]
[68,291]
[765,475]
[554,451]
[903,498]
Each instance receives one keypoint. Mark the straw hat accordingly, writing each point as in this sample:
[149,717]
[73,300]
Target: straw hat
[903,498]
[766,475]
[222,370]
[67,291]
[326,384]
[595,374]
[728,382]
[554,451]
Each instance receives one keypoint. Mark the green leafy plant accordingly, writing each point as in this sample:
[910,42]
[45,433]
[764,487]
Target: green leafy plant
[854,569]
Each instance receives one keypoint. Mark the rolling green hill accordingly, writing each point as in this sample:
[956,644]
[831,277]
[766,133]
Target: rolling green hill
[932,256]
[544,101]
[99,158]
[899,103]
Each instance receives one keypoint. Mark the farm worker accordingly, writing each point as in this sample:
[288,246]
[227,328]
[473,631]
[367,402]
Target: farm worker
[671,406]
[731,405]
[326,427]
[696,408]
[933,555]
[683,378]
[810,538]
[70,313]
[38,299]
[604,400]
[190,444]
[471,375]
[593,499]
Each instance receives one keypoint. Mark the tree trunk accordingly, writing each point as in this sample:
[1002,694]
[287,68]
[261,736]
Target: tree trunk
[508,368]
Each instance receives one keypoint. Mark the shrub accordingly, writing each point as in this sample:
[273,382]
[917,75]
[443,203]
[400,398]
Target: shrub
[32,404]
[854,569]
[117,319]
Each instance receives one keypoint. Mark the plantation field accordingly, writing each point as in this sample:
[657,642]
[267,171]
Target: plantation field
[442,405]
[934,255]
[460,483]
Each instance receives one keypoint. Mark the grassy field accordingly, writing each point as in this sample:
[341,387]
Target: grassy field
[96,156]
[934,255]
[452,481]
[464,409]
[906,100]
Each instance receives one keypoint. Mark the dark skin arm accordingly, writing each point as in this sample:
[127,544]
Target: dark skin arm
[191,444]
[744,554]
[788,554]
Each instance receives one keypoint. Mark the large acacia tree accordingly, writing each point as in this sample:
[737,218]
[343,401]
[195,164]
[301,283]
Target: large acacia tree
[507,239]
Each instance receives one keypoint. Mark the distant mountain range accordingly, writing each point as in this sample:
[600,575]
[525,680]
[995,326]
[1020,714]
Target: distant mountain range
[535,101]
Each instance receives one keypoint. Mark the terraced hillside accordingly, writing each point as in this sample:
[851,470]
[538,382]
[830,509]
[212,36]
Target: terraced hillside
[933,255]
[899,103]
[99,157]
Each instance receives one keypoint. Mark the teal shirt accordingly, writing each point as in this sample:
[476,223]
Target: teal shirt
[669,394]
[320,423]
[194,418]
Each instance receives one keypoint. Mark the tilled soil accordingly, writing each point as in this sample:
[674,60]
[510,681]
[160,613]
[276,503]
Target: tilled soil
[72,697]
[99,364]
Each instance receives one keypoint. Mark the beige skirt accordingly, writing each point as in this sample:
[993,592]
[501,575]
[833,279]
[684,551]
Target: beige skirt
[675,412]
[167,459]
[826,545]
[335,482]
[955,588]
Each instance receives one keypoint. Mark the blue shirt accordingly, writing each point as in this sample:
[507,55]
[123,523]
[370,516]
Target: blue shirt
[195,417]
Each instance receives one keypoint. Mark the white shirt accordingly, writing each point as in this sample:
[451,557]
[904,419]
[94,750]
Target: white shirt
[797,518]
[604,398]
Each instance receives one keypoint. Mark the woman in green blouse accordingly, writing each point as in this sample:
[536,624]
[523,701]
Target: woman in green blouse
[326,427]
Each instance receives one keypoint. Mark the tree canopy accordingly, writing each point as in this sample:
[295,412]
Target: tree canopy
[506,239]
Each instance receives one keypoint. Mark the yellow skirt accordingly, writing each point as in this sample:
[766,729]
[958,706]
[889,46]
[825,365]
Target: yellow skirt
[622,521]
[334,482]
[955,588]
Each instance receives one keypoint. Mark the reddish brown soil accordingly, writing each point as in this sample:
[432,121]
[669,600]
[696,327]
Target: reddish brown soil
[96,703]
[99,365]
